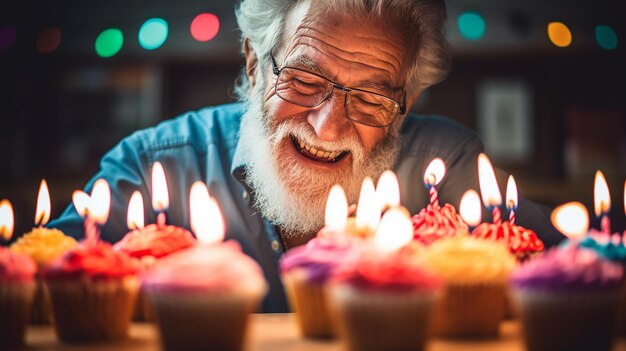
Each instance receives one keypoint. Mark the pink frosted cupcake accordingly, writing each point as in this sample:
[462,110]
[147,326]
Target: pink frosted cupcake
[93,290]
[305,270]
[383,301]
[17,288]
[567,300]
[435,222]
[202,296]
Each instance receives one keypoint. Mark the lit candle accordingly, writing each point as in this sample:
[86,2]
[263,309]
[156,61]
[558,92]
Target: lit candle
[135,216]
[42,214]
[571,219]
[470,209]
[94,209]
[160,197]
[434,173]
[602,202]
[368,209]
[205,215]
[388,190]
[6,220]
[511,198]
[492,198]
[336,212]
[395,230]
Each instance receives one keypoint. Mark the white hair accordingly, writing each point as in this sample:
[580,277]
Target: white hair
[422,21]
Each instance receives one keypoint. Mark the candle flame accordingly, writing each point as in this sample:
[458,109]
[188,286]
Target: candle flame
[470,208]
[205,215]
[135,216]
[368,210]
[435,172]
[625,197]
[571,219]
[488,183]
[601,195]
[6,220]
[80,199]
[42,214]
[336,208]
[160,198]
[100,201]
[511,194]
[395,230]
[388,190]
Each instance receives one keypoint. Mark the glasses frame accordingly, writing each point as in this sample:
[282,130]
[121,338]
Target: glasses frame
[401,109]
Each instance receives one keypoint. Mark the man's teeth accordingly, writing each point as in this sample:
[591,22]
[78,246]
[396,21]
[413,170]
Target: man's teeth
[319,153]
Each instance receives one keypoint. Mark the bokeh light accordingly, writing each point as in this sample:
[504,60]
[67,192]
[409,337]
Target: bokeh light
[471,25]
[109,42]
[559,34]
[205,27]
[48,40]
[153,33]
[7,37]
[606,37]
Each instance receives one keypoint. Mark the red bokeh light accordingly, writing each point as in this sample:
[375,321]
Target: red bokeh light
[205,27]
[48,40]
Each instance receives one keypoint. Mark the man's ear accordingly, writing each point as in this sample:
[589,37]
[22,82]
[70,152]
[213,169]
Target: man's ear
[251,62]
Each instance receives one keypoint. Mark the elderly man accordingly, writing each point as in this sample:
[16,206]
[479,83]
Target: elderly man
[325,92]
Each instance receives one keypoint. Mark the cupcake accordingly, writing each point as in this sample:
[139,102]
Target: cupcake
[17,288]
[567,300]
[523,243]
[148,245]
[435,222]
[93,290]
[305,271]
[202,296]
[476,272]
[383,301]
[43,245]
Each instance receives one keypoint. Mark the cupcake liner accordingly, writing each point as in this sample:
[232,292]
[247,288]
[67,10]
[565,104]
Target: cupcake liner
[143,308]
[380,321]
[470,311]
[15,304]
[308,300]
[567,320]
[41,313]
[621,310]
[202,321]
[92,310]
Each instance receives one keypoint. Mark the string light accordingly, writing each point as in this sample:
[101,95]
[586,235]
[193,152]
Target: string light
[153,33]
[205,26]
[471,25]
[109,42]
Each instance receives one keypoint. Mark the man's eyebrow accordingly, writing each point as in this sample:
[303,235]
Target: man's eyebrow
[308,64]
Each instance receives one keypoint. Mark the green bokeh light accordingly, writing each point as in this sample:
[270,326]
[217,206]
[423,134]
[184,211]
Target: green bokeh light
[606,37]
[472,25]
[153,33]
[109,42]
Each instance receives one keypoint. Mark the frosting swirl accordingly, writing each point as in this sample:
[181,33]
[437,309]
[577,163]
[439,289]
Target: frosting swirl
[98,261]
[44,245]
[321,256]
[571,268]
[155,240]
[375,270]
[435,222]
[16,267]
[522,242]
[463,259]
[605,247]
[214,268]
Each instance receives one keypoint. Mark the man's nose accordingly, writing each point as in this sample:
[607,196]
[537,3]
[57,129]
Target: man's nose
[329,120]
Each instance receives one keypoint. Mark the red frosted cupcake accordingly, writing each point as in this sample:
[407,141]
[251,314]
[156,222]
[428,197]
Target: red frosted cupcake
[523,243]
[17,288]
[435,222]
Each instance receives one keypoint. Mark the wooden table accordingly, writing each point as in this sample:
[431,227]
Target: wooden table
[275,332]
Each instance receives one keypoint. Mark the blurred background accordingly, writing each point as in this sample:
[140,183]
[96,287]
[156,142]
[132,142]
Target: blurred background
[543,82]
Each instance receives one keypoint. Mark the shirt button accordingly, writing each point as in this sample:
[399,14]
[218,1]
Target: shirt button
[275,245]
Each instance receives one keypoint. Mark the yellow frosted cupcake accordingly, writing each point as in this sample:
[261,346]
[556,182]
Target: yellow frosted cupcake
[476,273]
[43,245]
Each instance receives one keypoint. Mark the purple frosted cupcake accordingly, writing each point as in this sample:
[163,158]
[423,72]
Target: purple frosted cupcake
[305,271]
[567,300]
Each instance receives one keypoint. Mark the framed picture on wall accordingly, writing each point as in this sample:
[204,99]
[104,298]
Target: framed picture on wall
[505,121]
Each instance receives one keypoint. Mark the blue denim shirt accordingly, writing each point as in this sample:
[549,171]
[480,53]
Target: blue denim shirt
[203,145]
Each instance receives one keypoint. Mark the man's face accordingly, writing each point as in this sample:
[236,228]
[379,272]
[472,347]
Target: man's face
[310,149]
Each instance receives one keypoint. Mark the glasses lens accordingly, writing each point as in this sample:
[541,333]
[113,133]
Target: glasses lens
[302,88]
[371,109]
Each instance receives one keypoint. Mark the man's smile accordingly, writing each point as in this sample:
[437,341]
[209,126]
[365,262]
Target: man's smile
[317,154]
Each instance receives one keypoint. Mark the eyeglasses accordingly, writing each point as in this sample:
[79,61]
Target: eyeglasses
[308,89]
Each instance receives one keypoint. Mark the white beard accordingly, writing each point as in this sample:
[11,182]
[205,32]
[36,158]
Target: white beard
[289,194]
